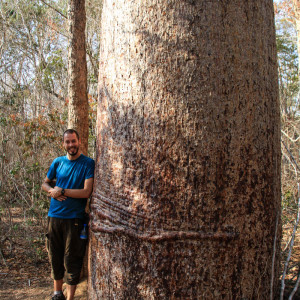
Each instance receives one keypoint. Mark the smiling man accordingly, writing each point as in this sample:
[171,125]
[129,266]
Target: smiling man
[74,175]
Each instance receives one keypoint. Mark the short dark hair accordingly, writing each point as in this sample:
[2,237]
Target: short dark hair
[71,131]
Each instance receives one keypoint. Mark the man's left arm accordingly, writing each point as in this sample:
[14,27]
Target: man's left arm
[76,193]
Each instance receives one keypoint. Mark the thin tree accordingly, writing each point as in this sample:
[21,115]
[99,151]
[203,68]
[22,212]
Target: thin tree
[187,194]
[78,117]
[77,72]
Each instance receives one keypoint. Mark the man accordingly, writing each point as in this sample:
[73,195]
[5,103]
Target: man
[74,175]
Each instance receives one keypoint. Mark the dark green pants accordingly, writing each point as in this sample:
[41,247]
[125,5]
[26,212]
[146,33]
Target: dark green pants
[65,248]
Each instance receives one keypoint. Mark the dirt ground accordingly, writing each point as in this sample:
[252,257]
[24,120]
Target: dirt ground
[24,267]
[41,290]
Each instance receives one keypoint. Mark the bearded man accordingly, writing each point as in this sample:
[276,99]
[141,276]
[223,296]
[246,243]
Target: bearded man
[73,177]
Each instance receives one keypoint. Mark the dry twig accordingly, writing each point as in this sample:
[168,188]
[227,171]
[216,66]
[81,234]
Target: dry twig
[290,251]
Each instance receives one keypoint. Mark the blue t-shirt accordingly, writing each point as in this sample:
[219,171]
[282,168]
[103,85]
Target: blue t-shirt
[70,174]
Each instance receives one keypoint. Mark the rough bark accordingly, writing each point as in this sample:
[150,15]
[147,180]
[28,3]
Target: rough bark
[77,71]
[187,189]
[78,117]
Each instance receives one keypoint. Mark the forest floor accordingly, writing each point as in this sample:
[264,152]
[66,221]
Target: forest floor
[24,266]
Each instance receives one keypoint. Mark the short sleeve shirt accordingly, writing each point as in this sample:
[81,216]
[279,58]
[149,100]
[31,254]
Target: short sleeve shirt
[70,174]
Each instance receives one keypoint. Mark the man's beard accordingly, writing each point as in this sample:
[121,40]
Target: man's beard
[74,149]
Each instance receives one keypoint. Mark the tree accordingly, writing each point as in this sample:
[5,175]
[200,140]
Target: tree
[77,72]
[187,194]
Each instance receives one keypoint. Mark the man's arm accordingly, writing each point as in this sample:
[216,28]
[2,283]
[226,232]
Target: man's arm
[74,193]
[46,186]
[52,192]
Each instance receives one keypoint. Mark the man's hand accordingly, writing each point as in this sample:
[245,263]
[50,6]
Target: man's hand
[56,193]
[73,193]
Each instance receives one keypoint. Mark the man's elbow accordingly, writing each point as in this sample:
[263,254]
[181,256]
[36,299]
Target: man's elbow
[88,194]
[43,187]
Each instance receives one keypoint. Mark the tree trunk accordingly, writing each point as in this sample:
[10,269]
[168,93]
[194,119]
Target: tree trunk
[187,191]
[78,116]
[78,100]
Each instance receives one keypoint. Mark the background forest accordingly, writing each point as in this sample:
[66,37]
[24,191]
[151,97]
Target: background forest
[34,108]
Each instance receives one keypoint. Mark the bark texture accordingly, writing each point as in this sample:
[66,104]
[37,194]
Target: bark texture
[77,71]
[187,187]
[78,116]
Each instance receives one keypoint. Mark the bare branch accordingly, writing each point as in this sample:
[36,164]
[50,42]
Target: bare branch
[54,9]
[290,248]
[295,288]
[273,258]
[294,141]
[292,157]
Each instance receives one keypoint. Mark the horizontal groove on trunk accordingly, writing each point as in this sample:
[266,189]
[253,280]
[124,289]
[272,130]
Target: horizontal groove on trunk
[115,206]
[112,211]
[166,236]
[154,236]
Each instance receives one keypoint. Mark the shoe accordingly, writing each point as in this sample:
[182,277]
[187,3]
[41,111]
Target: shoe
[58,297]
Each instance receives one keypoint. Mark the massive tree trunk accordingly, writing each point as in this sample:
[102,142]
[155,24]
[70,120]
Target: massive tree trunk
[77,71]
[186,202]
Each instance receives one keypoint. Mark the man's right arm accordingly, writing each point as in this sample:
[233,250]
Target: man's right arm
[46,186]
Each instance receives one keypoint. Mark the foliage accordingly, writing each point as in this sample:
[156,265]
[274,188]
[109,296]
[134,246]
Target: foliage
[287,58]
[288,74]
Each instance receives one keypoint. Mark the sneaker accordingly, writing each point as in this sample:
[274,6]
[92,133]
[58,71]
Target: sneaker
[58,297]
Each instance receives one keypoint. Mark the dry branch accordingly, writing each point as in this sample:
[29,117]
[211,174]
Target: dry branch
[290,249]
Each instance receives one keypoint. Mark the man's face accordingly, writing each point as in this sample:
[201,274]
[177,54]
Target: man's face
[71,143]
